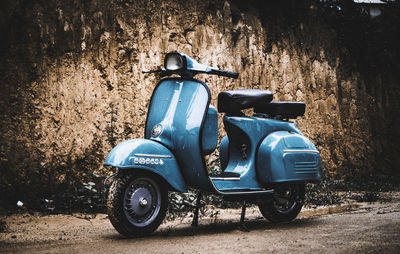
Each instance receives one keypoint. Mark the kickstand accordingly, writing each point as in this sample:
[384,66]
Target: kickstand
[242,226]
[195,221]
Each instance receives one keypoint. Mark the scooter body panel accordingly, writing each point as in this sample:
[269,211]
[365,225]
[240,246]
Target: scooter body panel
[209,136]
[288,157]
[244,135]
[180,107]
[224,152]
[147,155]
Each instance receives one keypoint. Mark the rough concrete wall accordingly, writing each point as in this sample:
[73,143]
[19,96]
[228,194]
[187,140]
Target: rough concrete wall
[72,87]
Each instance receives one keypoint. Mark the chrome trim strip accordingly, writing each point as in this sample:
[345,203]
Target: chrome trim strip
[300,151]
[152,155]
[225,178]
[264,191]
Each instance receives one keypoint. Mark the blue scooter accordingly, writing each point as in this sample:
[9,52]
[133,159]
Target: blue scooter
[265,158]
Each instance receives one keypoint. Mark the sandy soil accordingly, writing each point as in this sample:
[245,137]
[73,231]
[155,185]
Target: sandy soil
[351,228]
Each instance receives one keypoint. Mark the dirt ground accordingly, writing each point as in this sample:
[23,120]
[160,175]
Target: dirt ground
[350,228]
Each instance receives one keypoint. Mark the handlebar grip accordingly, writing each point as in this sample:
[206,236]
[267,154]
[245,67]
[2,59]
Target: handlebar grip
[229,74]
[152,71]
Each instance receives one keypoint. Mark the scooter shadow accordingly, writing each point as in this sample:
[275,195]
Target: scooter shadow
[221,227]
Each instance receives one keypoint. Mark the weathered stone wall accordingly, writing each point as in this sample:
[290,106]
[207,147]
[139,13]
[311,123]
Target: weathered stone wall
[71,85]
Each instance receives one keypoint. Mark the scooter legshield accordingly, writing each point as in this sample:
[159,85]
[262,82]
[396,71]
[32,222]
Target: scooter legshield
[147,155]
[288,157]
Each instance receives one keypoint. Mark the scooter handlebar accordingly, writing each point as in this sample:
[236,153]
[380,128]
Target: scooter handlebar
[229,74]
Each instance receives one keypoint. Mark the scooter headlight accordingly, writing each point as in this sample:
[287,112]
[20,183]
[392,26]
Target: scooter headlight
[174,61]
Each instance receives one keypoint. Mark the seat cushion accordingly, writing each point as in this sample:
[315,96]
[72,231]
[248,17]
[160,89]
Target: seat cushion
[233,101]
[285,109]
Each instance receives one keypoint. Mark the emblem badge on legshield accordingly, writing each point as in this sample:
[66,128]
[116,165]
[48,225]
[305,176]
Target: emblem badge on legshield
[157,130]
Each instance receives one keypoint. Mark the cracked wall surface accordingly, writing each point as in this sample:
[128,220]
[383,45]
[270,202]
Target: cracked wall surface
[72,87]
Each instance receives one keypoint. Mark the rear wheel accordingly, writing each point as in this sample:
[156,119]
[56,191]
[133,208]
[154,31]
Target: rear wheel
[137,204]
[286,203]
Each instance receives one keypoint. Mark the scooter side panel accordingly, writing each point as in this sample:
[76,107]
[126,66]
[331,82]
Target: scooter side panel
[288,157]
[224,152]
[147,155]
[209,135]
[246,132]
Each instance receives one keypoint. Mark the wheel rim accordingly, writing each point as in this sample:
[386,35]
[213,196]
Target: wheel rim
[142,201]
[285,198]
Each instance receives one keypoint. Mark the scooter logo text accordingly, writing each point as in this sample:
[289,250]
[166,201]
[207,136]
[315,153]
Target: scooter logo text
[147,161]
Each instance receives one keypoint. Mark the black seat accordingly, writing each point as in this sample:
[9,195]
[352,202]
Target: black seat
[232,102]
[284,109]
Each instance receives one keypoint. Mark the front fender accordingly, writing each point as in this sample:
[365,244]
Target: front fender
[147,155]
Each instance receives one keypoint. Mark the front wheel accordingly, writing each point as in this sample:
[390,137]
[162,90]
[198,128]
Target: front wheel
[137,203]
[286,203]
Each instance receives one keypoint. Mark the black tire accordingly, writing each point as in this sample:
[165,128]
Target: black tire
[285,204]
[137,203]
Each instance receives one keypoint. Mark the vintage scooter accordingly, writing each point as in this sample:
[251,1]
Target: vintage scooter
[265,158]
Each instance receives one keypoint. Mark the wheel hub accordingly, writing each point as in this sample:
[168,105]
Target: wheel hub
[143,202]
[140,200]
[284,199]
